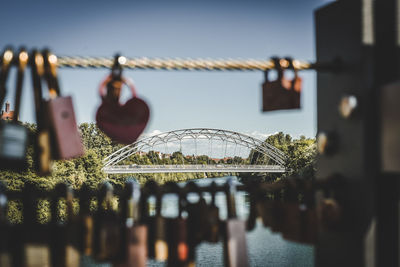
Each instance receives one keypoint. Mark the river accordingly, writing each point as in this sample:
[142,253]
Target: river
[264,247]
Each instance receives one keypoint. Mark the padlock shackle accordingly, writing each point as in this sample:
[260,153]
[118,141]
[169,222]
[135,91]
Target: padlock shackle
[106,193]
[289,64]
[37,70]
[50,73]
[193,187]
[130,202]
[230,191]
[84,200]
[109,79]
[23,58]
[278,67]
[253,214]
[62,190]
[159,198]
[132,188]
[182,202]
[6,61]
[150,188]
[30,205]
[69,198]
[181,193]
[116,69]
[213,192]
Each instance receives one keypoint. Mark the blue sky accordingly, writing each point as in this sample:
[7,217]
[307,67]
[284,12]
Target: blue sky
[214,29]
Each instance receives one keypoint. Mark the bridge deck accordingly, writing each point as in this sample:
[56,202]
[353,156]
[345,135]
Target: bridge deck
[192,168]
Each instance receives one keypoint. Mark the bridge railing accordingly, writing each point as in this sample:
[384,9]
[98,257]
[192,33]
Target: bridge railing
[198,166]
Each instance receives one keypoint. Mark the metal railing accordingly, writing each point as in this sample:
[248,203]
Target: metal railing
[192,168]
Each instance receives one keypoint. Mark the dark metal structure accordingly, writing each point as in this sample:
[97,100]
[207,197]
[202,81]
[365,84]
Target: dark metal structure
[364,34]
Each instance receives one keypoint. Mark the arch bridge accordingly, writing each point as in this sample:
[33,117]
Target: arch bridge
[193,150]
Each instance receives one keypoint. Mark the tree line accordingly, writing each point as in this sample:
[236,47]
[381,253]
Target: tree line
[88,169]
[300,161]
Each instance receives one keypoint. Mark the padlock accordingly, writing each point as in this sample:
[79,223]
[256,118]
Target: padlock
[5,231]
[107,239]
[329,214]
[86,222]
[270,208]
[42,146]
[149,189]
[72,232]
[35,238]
[133,231]
[282,93]
[196,221]
[264,208]
[65,245]
[160,235]
[14,136]
[197,215]
[213,222]
[277,218]
[6,61]
[123,123]
[157,236]
[292,214]
[235,248]
[178,253]
[308,220]
[253,213]
[66,140]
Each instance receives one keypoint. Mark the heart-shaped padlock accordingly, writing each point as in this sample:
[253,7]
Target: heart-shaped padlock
[123,123]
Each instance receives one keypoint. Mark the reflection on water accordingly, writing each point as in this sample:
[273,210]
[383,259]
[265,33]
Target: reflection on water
[264,247]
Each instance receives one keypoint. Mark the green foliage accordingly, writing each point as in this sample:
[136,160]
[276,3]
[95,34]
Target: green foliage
[88,169]
[300,161]
[14,212]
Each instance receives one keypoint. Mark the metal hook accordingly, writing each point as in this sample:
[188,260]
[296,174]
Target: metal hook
[278,66]
[116,70]
[293,65]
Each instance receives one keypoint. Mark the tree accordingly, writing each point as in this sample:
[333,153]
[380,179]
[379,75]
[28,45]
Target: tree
[300,160]
[95,139]
[154,157]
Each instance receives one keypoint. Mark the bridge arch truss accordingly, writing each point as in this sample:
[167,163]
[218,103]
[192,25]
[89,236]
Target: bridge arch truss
[267,150]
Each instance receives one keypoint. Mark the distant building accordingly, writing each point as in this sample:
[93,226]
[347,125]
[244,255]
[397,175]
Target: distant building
[158,153]
[7,115]
[226,159]
[141,153]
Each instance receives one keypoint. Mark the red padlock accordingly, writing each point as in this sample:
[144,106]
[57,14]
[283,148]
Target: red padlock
[123,123]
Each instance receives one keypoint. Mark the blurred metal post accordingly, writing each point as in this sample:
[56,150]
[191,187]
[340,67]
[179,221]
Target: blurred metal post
[364,34]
